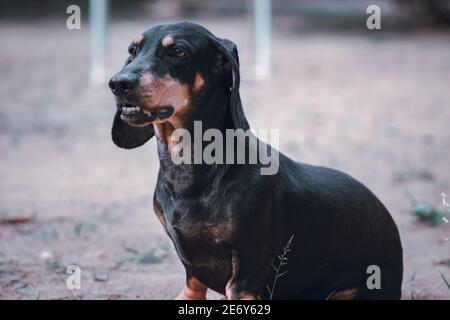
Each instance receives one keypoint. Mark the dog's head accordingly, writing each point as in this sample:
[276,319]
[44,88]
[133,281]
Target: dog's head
[169,67]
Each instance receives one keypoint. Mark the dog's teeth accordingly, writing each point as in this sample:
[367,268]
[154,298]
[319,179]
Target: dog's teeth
[131,109]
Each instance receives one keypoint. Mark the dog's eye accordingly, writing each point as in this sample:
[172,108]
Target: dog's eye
[177,52]
[132,49]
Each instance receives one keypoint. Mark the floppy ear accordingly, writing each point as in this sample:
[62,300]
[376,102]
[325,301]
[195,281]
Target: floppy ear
[229,50]
[128,137]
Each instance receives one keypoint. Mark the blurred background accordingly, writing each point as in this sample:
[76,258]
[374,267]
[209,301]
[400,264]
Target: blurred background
[374,103]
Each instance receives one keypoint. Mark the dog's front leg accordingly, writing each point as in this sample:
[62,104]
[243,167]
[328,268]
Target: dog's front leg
[246,276]
[193,290]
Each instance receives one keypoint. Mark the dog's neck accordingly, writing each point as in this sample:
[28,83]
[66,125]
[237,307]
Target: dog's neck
[164,131]
[213,110]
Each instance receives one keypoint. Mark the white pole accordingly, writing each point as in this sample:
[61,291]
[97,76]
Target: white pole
[263,26]
[98,12]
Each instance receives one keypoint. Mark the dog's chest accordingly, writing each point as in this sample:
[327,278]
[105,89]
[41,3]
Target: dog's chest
[201,242]
[196,227]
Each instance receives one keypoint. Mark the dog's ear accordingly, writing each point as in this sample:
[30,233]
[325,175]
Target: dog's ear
[229,50]
[128,137]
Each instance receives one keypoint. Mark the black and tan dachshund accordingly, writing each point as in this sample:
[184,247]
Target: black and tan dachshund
[229,224]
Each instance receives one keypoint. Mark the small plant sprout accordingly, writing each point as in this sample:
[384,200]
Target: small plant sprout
[445,280]
[445,220]
[444,201]
[428,214]
[282,261]
[446,206]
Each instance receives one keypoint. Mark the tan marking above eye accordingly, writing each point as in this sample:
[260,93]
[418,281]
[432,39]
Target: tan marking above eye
[199,82]
[167,40]
[139,39]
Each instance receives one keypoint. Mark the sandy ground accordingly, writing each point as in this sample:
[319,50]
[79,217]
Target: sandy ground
[374,104]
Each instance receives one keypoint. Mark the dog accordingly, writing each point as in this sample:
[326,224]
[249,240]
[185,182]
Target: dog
[236,231]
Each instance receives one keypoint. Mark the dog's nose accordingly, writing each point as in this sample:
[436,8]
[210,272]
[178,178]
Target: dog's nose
[123,83]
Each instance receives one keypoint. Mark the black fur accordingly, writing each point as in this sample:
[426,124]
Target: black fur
[220,215]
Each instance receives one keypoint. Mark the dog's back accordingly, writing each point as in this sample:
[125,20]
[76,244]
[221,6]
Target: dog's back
[340,230]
